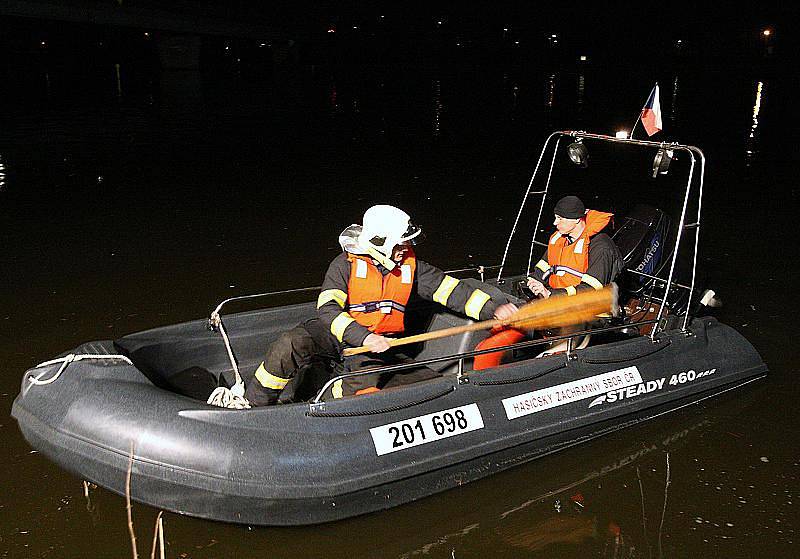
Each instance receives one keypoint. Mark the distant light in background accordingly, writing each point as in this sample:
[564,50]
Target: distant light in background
[584,58]
[768,41]
[43,44]
[331,29]
[146,35]
[621,134]
[262,45]
[355,27]
[516,42]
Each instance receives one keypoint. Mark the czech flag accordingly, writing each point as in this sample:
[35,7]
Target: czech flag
[651,113]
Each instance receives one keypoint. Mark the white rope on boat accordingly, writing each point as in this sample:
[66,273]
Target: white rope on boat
[65,361]
[229,397]
[222,396]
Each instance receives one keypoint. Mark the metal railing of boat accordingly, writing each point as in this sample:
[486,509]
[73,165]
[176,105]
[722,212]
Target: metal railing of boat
[461,378]
[215,322]
[695,155]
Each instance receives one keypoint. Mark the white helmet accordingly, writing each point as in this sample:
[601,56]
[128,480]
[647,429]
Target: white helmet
[385,227]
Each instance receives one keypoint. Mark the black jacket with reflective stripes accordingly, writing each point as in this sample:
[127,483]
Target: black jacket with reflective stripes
[430,283]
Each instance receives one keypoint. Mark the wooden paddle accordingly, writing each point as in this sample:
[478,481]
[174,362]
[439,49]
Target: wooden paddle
[541,313]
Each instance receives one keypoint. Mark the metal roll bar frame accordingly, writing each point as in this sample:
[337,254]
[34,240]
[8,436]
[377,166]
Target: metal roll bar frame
[695,155]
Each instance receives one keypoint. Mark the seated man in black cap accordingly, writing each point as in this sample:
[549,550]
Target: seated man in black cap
[579,255]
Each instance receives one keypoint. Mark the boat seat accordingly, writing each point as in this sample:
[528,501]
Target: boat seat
[461,343]
[451,345]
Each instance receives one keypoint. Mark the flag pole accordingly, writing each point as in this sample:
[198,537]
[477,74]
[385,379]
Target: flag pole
[639,118]
[635,123]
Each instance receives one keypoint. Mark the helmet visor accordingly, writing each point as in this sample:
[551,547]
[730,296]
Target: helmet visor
[413,235]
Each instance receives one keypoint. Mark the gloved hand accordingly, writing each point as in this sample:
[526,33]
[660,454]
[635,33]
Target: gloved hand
[538,288]
[505,311]
[376,343]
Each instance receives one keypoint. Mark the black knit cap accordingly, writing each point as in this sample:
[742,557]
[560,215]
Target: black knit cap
[570,207]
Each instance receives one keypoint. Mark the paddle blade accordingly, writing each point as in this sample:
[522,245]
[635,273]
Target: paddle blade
[558,311]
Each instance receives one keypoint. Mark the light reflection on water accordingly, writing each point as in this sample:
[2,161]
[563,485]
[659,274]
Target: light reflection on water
[550,91]
[673,112]
[752,138]
[437,108]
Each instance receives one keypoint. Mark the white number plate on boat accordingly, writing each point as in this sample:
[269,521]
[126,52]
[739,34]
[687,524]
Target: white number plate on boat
[426,428]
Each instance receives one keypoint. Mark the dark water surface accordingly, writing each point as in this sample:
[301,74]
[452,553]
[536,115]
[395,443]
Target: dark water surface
[125,214]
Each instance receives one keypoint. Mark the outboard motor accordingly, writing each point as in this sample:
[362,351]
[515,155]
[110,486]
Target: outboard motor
[642,240]
[646,240]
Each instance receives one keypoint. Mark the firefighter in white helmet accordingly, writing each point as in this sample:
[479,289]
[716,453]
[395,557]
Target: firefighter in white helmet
[363,302]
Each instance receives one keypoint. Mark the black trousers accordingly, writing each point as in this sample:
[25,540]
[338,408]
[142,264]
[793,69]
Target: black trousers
[310,344]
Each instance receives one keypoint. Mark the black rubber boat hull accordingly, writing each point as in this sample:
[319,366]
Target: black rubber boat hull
[153,481]
[302,464]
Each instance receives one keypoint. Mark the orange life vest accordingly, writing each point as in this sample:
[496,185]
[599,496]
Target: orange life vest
[568,262]
[377,301]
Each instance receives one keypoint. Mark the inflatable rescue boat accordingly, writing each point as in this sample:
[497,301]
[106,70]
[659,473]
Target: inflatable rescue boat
[141,399]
